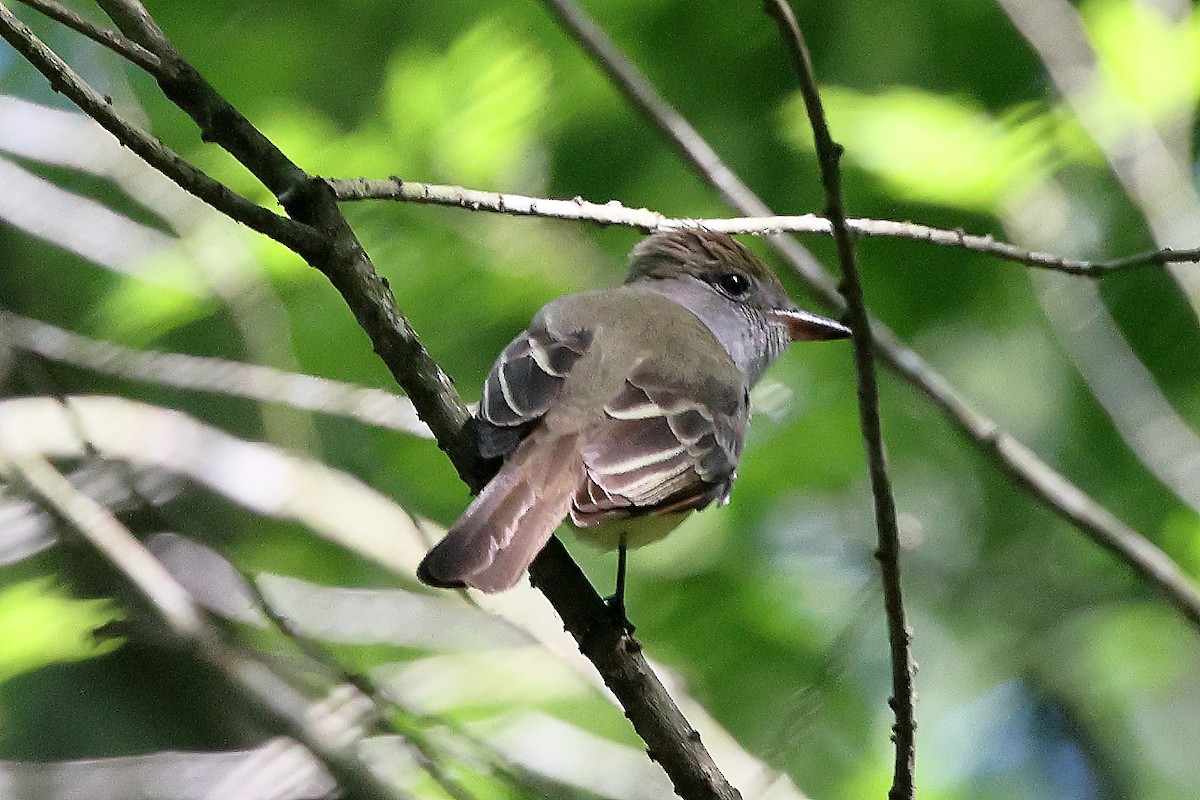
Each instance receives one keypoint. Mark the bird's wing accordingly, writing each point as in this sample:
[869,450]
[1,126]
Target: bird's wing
[524,383]
[662,449]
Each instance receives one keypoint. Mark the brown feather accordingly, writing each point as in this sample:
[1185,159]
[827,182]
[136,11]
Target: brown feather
[493,542]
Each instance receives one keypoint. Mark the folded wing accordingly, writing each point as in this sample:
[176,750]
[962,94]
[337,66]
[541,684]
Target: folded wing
[663,449]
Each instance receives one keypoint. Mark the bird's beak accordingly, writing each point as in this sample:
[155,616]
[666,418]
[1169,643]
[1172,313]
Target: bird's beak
[805,327]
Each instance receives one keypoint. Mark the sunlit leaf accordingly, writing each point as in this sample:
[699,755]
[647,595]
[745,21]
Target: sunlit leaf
[931,148]
[476,107]
[1149,60]
[41,624]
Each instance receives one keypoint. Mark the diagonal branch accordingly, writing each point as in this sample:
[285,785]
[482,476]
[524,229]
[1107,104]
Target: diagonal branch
[1008,454]
[128,50]
[648,221]
[1160,187]
[218,120]
[888,551]
[186,623]
[339,254]
[63,79]
[217,375]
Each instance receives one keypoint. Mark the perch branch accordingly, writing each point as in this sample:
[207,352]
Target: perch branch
[888,551]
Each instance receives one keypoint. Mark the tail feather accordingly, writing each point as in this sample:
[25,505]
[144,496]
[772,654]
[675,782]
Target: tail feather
[505,527]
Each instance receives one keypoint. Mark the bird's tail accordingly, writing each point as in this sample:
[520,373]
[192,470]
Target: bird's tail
[505,527]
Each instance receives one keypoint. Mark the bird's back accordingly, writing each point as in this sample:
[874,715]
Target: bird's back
[636,329]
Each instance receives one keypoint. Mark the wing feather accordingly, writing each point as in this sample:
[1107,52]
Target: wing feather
[662,448]
[524,383]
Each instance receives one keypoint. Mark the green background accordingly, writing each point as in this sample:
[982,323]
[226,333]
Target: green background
[1046,669]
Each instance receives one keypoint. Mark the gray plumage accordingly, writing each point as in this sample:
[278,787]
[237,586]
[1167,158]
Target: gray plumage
[620,404]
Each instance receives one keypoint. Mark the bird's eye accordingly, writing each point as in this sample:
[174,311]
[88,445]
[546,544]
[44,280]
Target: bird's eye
[734,284]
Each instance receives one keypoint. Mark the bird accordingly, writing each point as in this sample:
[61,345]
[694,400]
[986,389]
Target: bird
[622,410]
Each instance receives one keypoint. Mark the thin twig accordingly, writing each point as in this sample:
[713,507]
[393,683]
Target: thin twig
[131,51]
[424,755]
[182,618]
[829,154]
[292,234]
[385,701]
[648,221]
[696,152]
[1021,464]
[217,375]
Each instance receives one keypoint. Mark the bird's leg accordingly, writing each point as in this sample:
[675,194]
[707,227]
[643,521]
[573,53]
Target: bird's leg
[616,602]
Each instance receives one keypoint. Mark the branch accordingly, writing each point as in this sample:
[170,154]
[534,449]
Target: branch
[888,551]
[386,703]
[128,50]
[219,122]
[1008,454]
[186,623]
[1150,170]
[63,79]
[648,221]
[217,375]
[1158,181]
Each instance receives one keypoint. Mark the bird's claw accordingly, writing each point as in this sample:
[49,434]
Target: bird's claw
[616,609]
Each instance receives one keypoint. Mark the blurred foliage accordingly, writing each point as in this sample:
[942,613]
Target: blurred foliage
[1046,669]
[41,625]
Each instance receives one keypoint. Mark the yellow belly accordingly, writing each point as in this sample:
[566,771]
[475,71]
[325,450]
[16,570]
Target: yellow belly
[637,531]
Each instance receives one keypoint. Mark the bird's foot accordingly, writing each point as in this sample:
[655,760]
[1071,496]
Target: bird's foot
[616,609]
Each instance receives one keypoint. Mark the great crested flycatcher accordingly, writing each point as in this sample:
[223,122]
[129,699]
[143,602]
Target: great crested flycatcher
[622,409]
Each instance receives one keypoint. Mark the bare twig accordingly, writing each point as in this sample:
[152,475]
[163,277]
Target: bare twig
[131,51]
[180,617]
[424,755]
[1158,181]
[647,220]
[1013,458]
[217,375]
[385,701]
[290,233]
[888,551]
[696,152]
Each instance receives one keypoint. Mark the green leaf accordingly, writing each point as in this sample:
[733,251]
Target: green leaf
[932,148]
[478,107]
[41,624]
[1151,62]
